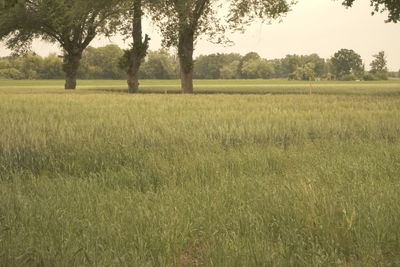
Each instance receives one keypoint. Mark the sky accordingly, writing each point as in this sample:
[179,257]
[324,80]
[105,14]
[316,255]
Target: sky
[313,26]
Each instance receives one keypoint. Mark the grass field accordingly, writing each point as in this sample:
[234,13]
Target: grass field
[391,87]
[245,173]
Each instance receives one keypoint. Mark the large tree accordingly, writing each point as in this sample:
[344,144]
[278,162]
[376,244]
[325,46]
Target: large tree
[347,65]
[183,21]
[72,24]
[391,6]
[134,56]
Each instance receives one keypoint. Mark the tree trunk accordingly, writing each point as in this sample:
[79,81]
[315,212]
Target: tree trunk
[139,48]
[187,82]
[70,81]
[185,53]
[71,64]
[133,81]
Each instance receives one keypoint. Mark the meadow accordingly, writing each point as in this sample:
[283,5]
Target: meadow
[243,173]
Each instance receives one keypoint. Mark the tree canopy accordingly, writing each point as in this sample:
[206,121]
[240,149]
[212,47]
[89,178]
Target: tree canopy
[347,65]
[391,6]
[73,24]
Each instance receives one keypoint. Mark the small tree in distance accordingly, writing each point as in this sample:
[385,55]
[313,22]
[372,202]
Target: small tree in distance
[379,70]
[379,64]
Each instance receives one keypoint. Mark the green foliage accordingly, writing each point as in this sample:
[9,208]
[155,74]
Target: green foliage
[230,70]
[301,67]
[51,68]
[257,68]
[210,66]
[379,70]
[376,76]
[72,24]
[242,12]
[193,16]
[68,23]
[159,65]
[391,6]
[305,73]
[251,56]
[11,73]
[379,64]
[347,65]
[105,63]
[31,66]
[102,63]
[252,66]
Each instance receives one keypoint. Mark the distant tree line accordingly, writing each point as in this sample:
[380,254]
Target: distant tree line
[105,63]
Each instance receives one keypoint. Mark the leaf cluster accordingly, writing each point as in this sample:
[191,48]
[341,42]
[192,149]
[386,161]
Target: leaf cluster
[243,12]
[212,17]
[71,23]
[391,6]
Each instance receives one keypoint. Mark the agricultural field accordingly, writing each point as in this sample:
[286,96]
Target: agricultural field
[243,173]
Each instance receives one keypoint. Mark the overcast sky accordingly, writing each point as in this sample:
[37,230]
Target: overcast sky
[314,26]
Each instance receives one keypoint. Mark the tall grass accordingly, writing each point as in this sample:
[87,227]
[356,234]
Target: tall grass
[216,180]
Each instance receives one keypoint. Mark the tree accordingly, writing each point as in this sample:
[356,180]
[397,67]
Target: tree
[316,63]
[51,67]
[133,57]
[101,63]
[230,71]
[306,72]
[29,65]
[379,70]
[183,21]
[210,66]
[391,6]
[379,64]
[159,65]
[251,56]
[257,69]
[8,70]
[347,65]
[304,67]
[289,65]
[73,24]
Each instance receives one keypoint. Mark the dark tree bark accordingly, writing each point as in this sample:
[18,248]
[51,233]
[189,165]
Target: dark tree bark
[186,43]
[185,52]
[139,48]
[71,65]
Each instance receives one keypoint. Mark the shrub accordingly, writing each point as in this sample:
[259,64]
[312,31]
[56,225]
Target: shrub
[11,73]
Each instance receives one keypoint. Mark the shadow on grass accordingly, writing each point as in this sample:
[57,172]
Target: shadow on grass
[251,92]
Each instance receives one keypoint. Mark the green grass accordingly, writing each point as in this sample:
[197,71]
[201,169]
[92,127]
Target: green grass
[391,87]
[268,177]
